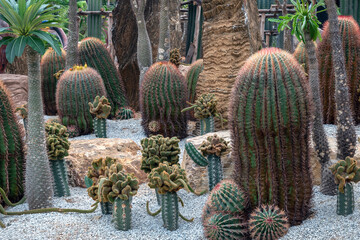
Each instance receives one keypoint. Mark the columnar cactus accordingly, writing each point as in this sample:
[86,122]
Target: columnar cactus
[350,32]
[192,77]
[94,53]
[51,64]
[101,109]
[12,157]
[270,120]
[23,110]
[163,95]
[213,147]
[76,88]
[94,21]
[301,56]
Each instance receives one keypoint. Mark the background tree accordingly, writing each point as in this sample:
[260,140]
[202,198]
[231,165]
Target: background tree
[164,37]
[72,56]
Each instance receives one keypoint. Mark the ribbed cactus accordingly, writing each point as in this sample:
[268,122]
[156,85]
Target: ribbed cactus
[345,203]
[270,120]
[94,21]
[301,56]
[212,148]
[12,157]
[76,88]
[125,113]
[51,63]
[350,7]
[101,109]
[163,95]
[94,53]
[192,78]
[224,226]
[350,32]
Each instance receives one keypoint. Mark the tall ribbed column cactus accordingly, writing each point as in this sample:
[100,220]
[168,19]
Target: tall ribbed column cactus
[192,77]
[94,53]
[270,117]
[163,95]
[76,88]
[51,63]
[94,21]
[164,36]
[12,157]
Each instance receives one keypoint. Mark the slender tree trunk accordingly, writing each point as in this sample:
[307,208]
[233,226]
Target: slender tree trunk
[175,24]
[319,137]
[288,46]
[72,54]
[38,179]
[346,136]
[164,37]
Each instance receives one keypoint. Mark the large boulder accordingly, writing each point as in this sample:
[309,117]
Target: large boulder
[18,87]
[83,152]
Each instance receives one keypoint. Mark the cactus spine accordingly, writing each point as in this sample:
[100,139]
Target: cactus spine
[345,201]
[94,20]
[170,210]
[192,78]
[76,88]
[101,108]
[162,97]
[51,63]
[12,157]
[271,134]
[122,214]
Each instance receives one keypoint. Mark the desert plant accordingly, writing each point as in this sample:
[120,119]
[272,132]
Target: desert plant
[212,148]
[125,113]
[268,222]
[224,226]
[51,64]
[270,159]
[94,53]
[94,21]
[73,131]
[175,57]
[76,88]
[23,110]
[101,109]
[162,96]
[192,78]
[301,56]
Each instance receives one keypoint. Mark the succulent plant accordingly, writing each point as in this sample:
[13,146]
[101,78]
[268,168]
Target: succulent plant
[213,145]
[345,171]
[23,110]
[175,57]
[125,113]
[301,56]
[56,128]
[192,77]
[94,21]
[53,120]
[268,222]
[100,107]
[73,131]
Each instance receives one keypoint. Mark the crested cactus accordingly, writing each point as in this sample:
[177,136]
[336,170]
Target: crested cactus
[23,110]
[268,222]
[101,109]
[350,32]
[175,57]
[51,64]
[125,113]
[94,53]
[213,147]
[12,156]
[192,77]
[76,88]
[94,21]
[162,96]
[270,120]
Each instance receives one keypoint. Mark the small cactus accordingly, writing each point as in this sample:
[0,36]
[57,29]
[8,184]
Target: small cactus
[73,131]
[175,57]
[125,113]
[101,109]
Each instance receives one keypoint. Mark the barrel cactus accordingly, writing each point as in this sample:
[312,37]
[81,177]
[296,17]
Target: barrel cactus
[350,32]
[101,109]
[51,64]
[76,88]
[125,113]
[94,53]
[163,95]
[192,78]
[270,118]
[12,156]
[301,56]
[224,226]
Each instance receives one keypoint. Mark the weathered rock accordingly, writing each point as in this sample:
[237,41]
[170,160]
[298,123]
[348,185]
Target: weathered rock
[18,87]
[83,152]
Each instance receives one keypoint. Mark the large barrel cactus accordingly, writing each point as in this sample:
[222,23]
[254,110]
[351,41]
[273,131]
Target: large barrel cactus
[350,32]
[51,63]
[12,158]
[270,131]
[163,95]
[76,88]
[94,53]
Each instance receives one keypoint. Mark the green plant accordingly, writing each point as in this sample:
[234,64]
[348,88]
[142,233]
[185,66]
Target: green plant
[268,222]
[51,63]
[163,94]
[212,148]
[192,78]
[12,155]
[94,21]
[76,88]
[73,131]
[94,53]
[101,109]
[270,159]
[175,57]
[301,56]
[223,226]
[23,110]
[125,113]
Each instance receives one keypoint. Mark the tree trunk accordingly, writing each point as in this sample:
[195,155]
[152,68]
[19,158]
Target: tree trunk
[38,180]
[175,24]
[164,38]
[320,140]
[72,53]
[288,46]
[346,136]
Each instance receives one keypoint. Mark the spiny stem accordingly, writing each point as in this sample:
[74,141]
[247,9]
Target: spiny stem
[7,201]
[149,212]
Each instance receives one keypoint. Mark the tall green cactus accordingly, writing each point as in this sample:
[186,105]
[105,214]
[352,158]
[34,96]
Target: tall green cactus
[12,156]
[94,21]
[350,33]
[192,78]
[94,53]
[163,95]
[76,88]
[350,7]
[270,120]
[51,63]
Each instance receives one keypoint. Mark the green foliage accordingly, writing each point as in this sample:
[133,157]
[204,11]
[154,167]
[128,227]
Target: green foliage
[100,107]
[345,171]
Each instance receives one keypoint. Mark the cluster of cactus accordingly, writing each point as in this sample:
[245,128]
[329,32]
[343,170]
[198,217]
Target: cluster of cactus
[175,57]
[23,110]
[345,171]
[125,113]
[51,64]
[101,109]
[213,147]
[12,156]
[350,32]
[163,95]
[94,53]
[192,78]
[270,118]
[76,88]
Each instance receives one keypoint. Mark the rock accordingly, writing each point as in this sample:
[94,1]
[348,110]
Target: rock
[18,87]
[184,69]
[83,152]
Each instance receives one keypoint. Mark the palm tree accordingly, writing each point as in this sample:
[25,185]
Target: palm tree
[306,28]
[26,20]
